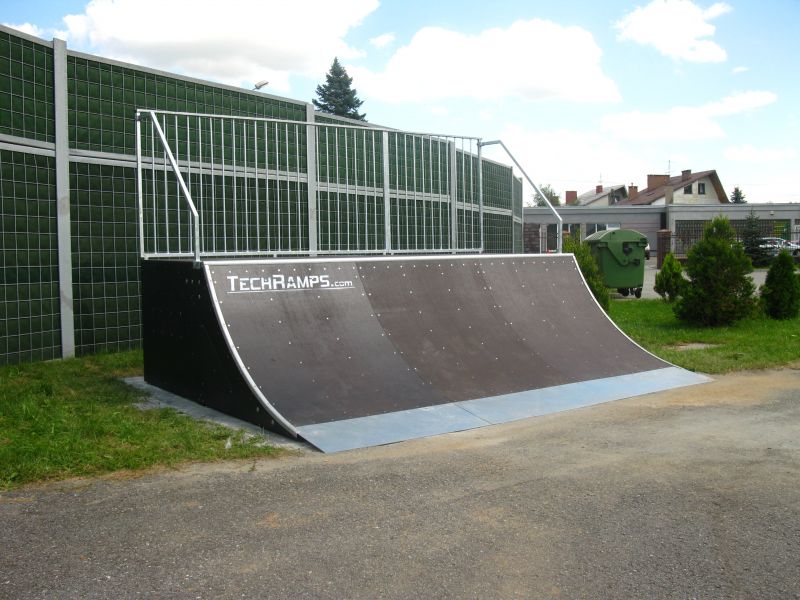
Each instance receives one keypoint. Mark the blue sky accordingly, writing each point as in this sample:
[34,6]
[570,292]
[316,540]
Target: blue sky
[583,92]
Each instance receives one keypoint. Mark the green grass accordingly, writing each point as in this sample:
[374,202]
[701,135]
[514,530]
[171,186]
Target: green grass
[755,343]
[75,417]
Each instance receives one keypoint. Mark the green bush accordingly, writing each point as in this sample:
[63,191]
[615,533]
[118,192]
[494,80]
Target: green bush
[589,268]
[719,292]
[781,291]
[669,280]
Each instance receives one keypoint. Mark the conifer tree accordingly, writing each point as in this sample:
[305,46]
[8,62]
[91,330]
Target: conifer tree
[337,96]
[737,196]
[781,291]
[719,292]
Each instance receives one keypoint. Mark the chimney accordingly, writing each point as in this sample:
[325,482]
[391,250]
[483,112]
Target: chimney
[655,181]
[598,189]
[668,194]
[571,197]
[633,191]
[686,174]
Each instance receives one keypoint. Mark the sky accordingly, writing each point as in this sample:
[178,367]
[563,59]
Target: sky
[582,92]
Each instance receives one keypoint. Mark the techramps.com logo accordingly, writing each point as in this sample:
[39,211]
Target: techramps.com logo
[284,283]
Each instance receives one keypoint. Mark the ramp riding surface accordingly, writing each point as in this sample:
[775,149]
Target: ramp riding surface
[355,352]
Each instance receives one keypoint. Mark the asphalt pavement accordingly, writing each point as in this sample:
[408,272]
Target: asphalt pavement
[691,493]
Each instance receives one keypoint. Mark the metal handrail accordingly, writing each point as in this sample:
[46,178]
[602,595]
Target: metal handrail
[559,233]
[454,167]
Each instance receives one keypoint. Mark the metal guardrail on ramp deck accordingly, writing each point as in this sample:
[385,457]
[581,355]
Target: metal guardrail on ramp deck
[212,186]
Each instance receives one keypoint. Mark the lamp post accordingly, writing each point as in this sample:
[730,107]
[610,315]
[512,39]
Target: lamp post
[260,85]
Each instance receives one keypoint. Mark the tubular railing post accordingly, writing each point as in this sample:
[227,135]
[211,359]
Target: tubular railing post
[480,201]
[139,188]
[453,156]
[559,220]
[387,204]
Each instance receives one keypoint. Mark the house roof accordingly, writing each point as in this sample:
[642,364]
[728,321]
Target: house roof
[594,196]
[650,195]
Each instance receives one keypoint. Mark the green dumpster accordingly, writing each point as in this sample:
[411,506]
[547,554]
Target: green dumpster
[620,254]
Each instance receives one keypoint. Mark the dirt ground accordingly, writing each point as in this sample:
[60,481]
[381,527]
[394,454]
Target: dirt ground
[691,493]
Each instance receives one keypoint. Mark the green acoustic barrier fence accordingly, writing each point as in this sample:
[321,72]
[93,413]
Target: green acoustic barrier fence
[26,88]
[295,182]
[105,257]
[29,299]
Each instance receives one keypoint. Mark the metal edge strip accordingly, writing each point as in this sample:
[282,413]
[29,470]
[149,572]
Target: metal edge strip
[238,359]
[380,258]
[388,428]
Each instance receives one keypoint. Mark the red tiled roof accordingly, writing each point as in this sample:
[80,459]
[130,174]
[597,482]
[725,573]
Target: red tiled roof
[650,195]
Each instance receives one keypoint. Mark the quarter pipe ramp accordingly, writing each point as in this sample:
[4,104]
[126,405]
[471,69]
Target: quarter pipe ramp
[354,352]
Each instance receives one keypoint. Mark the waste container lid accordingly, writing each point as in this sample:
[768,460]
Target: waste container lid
[617,235]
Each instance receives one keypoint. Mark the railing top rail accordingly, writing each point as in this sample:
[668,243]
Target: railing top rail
[366,127]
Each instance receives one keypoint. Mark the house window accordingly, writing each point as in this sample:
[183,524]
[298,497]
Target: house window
[701,188]
[687,189]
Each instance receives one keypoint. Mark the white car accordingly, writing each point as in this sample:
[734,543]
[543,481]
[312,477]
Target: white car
[773,245]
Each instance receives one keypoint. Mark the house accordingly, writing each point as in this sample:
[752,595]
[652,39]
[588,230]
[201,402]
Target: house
[600,196]
[703,187]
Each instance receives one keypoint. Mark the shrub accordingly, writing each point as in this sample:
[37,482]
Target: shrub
[588,266]
[781,291]
[669,280]
[751,240]
[719,292]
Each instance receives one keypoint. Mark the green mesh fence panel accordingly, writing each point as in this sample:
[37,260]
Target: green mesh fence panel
[103,99]
[352,222]
[497,180]
[519,246]
[30,322]
[497,232]
[516,196]
[105,258]
[26,88]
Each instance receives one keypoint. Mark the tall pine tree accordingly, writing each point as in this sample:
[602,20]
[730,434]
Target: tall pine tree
[737,196]
[337,97]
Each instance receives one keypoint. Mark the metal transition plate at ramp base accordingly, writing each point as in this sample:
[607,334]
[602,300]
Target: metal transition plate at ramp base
[471,414]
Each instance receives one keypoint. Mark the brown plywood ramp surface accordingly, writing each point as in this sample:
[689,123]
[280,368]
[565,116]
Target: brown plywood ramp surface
[364,351]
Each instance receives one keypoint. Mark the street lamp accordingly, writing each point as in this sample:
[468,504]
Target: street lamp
[260,85]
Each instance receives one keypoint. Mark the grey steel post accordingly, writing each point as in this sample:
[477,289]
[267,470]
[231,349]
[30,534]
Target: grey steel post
[139,190]
[62,199]
[453,196]
[480,200]
[311,178]
[387,205]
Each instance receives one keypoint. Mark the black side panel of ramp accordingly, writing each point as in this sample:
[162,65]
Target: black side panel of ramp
[184,349]
[358,352]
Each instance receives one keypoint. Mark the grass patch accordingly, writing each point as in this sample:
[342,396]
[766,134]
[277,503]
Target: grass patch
[755,343]
[74,417]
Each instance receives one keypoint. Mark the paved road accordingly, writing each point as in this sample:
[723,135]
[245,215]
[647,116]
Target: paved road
[691,493]
[650,271]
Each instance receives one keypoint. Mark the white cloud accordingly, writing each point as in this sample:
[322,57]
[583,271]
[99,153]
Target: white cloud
[531,59]
[750,154]
[676,28]
[28,28]
[382,41]
[569,159]
[684,123]
[742,69]
[234,42]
